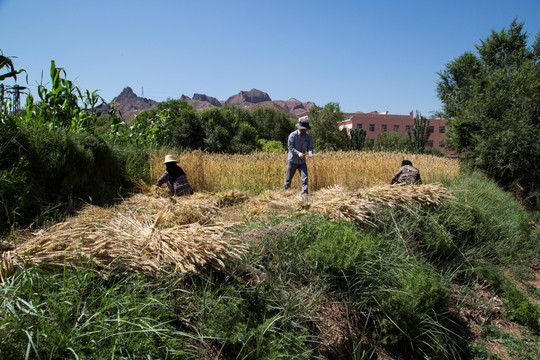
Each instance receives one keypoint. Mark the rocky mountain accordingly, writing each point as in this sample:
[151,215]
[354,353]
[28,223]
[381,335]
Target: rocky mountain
[129,103]
[247,98]
[201,101]
[295,106]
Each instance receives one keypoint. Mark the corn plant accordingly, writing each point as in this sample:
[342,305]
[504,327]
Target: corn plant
[59,106]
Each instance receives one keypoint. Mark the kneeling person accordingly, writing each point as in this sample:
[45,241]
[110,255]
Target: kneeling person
[407,174]
[175,177]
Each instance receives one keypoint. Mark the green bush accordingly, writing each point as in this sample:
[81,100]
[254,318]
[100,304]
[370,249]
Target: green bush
[520,308]
[339,247]
[17,193]
[407,297]
[412,303]
[46,171]
[271,146]
[501,225]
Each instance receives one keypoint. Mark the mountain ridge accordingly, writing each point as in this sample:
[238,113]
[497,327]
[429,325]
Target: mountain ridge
[129,104]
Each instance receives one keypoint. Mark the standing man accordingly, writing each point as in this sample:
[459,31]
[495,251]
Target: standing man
[300,146]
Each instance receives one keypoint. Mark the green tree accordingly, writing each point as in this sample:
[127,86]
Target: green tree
[183,124]
[493,100]
[273,124]
[227,130]
[392,141]
[357,138]
[324,128]
[218,131]
[173,123]
[419,134]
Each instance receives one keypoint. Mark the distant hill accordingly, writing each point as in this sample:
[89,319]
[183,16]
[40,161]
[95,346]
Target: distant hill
[130,104]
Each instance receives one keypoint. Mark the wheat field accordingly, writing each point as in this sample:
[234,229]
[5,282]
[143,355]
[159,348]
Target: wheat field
[151,231]
[258,172]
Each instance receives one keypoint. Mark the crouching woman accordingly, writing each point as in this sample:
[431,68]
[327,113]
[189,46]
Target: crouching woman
[175,177]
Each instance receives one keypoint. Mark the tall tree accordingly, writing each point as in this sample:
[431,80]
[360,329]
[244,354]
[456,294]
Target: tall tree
[183,123]
[419,134]
[273,124]
[493,100]
[325,131]
[357,138]
[228,130]
[392,141]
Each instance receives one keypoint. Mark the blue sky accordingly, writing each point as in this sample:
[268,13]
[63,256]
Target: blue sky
[364,55]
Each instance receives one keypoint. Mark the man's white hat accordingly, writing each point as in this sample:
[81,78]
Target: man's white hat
[303,123]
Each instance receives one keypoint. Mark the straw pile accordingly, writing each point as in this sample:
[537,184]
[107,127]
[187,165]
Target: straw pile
[391,195]
[134,241]
[153,233]
[181,210]
[337,202]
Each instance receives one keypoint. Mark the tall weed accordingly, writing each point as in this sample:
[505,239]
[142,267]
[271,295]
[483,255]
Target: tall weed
[244,322]
[79,314]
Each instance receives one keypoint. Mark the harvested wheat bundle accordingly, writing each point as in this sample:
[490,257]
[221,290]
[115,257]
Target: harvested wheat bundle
[392,195]
[109,238]
[6,265]
[339,203]
[231,197]
[180,210]
[6,246]
[280,202]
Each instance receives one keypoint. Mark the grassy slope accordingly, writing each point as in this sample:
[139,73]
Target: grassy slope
[450,281]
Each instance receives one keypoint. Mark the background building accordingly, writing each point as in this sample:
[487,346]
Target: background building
[376,123]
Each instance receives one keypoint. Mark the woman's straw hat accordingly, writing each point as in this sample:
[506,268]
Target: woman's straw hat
[169,158]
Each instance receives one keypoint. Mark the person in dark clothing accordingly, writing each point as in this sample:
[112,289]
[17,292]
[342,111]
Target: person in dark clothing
[175,177]
[407,174]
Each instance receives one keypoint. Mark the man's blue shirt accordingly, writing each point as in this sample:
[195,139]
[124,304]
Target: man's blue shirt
[299,144]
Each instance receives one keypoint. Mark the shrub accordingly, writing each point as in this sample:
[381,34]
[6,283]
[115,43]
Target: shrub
[338,247]
[413,302]
[17,193]
[407,297]
[48,170]
[501,225]
[271,146]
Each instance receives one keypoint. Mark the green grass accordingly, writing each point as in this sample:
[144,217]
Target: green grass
[78,314]
[519,348]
